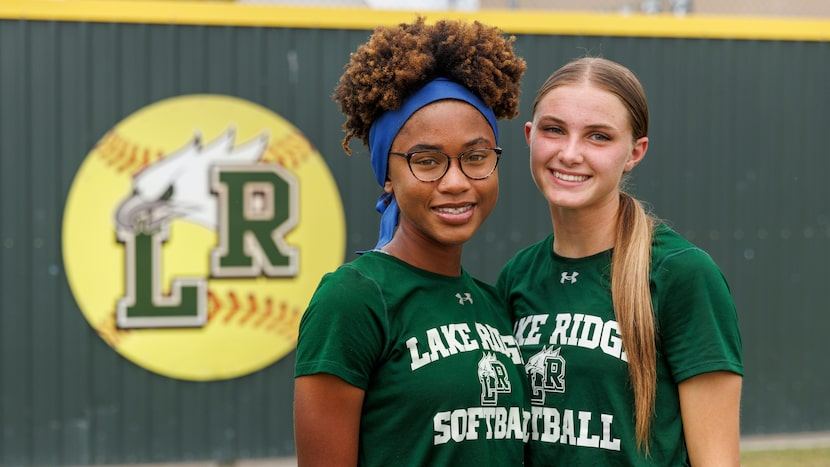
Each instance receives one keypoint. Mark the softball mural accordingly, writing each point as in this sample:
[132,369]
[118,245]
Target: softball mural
[195,232]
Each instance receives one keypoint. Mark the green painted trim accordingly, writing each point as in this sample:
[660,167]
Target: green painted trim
[227,13]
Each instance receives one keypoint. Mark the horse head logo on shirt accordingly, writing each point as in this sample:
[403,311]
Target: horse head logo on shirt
[492,374]
[546,370]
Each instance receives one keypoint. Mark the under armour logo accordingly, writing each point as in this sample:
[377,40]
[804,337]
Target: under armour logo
[566,277]
[464,298]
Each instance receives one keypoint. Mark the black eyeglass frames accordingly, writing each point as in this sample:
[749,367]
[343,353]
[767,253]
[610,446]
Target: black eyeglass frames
[430,165]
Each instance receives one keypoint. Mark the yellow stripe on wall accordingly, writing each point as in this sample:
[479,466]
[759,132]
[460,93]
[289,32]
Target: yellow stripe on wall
[511,21]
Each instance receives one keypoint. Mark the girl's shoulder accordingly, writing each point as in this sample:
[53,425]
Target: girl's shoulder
[667,244]
[672,253]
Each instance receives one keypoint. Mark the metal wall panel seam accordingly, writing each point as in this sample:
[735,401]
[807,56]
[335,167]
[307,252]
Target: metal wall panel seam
[511,21]
[16,363]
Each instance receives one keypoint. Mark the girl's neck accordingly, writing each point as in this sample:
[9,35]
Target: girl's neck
[444,260]
[582,233]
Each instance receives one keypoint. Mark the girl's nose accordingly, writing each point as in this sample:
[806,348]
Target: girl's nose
[454,179]
[571,153]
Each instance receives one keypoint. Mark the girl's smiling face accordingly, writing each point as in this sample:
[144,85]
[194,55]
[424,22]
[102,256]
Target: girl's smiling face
[448,211]
[581,144]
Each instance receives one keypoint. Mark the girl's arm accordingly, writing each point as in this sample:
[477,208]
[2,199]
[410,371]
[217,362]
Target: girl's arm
[326,421]
[710,406]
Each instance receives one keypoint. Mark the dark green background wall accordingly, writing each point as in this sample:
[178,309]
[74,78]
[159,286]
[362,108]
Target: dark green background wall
[737,163]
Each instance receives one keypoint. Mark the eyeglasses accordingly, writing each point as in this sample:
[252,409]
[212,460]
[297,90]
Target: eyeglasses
[430,165]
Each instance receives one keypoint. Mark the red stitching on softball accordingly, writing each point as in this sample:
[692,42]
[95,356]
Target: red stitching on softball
[119,150]
[279,317]
[234,306]
[252,309]
[213,305]
[130,160]
[109,330]
[104,148]
[256,312]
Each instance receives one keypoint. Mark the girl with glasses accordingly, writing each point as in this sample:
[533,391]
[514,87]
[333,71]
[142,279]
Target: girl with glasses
[403,358]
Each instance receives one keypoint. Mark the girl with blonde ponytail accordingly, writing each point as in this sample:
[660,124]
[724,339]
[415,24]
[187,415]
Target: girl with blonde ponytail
[629,332]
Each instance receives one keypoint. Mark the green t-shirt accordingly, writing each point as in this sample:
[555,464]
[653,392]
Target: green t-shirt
[583,408]
[443,377]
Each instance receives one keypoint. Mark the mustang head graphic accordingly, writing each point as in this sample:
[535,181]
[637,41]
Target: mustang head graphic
[178,186]
[537,364]
[485,366]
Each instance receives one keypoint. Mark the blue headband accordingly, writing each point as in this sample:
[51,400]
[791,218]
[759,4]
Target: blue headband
[386,128]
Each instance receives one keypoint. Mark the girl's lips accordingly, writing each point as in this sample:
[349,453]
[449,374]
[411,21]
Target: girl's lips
[454,209]
[569,177]
[455,214]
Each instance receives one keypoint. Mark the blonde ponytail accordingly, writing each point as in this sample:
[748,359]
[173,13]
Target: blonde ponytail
[631,295]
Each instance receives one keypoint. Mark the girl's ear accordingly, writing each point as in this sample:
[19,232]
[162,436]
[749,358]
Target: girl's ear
[638,152]
[387,187]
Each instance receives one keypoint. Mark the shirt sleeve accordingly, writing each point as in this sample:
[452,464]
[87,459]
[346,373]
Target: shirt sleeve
[342,330]
[697,322]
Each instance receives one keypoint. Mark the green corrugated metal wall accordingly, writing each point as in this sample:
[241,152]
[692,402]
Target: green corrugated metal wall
[737,163]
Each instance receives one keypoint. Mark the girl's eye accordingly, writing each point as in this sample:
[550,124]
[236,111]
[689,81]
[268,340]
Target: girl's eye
[600,137]
[427,159]
[553,129]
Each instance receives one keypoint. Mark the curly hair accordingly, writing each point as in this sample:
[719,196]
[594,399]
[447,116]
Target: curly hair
[395,62]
